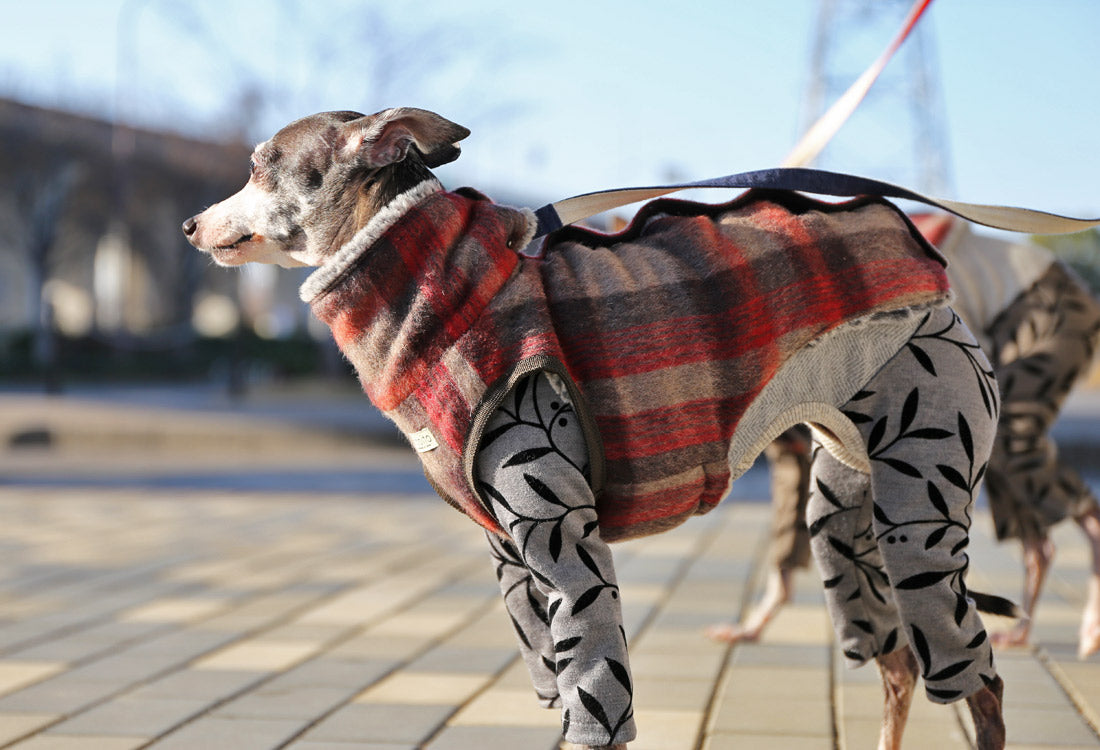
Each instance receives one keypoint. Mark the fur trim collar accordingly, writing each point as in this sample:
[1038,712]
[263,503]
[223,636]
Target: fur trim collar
[318,281]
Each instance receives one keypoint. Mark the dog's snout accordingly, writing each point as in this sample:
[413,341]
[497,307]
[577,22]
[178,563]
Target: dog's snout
[190,226]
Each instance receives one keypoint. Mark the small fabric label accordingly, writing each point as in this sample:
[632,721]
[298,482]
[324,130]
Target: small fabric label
[423,441]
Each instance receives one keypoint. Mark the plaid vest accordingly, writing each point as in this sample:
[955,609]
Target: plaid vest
[664,333]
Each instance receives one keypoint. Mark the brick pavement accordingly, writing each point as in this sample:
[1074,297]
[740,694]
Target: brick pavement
[176,619]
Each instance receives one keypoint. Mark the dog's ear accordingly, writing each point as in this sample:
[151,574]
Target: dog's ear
[385,138]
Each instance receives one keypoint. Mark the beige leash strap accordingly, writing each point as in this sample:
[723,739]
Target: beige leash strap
[554,216]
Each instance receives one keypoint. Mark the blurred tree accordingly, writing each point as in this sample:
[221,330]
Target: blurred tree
[43,200]
[1080,251]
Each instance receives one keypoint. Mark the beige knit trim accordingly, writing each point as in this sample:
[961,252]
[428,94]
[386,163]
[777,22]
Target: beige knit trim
[318,281]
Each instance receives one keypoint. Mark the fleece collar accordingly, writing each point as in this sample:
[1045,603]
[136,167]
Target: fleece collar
[322,278]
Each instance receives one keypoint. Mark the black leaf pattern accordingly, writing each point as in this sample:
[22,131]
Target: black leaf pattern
[935,537]
[952,475]
[594,707]
[936,498]
[877,433]
[621,673]
[920,644]
[930,433]
[842,548]
[880,515]
[828,494]
[923,580]
[833,582]
[543,491]
[909,409]
[922,357]
[589,563]
[554,543]
[567,644]
[857,417]
[891,642]
[527,456]
[978,640]
[943,694]
[966,438]
[901,466]
[585,600]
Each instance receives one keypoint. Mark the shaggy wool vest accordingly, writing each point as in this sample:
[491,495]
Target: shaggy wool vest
[663,333]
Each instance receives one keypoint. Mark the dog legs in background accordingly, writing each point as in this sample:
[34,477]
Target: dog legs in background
[1089,636]
[789,464]
[1042,344]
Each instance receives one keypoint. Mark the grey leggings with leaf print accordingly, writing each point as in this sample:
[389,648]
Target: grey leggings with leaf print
[927,418]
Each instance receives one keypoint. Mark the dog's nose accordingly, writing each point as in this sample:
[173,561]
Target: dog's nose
[190,226]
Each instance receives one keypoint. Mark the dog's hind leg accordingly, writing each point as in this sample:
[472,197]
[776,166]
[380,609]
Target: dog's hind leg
[986,708]
[931,416]
[899,672]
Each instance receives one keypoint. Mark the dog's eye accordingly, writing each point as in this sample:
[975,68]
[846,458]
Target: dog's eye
[252,167]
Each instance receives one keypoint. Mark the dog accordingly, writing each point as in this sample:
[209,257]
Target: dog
[607,387]
[1039,324]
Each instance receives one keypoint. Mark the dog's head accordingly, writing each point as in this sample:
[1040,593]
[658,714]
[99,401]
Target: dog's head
[320,179]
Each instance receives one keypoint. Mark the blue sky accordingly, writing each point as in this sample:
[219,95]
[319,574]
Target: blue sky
[579,95]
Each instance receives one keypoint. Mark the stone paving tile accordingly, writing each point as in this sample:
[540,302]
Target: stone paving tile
[381,722]
[18,674]
[424,688]
[353,746]
[16,725]
[493,737]
[226,621]
[48,742]
[231,734]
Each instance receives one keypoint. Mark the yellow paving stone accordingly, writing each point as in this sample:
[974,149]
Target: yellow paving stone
[259,655]
[18,674]
[173,610]
[13,725]
[423,625]
[799,624]
[745,741]
[642,593]
[764,714]
[503,707]
[423,688]
[662,729]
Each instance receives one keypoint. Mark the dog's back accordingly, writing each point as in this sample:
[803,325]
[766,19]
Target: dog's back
[673,327]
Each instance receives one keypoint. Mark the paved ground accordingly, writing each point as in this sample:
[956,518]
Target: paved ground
[190,583]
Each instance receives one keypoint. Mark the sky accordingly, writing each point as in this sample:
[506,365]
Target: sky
[582,95]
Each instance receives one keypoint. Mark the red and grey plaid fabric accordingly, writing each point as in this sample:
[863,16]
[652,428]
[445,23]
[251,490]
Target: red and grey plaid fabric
[670,329]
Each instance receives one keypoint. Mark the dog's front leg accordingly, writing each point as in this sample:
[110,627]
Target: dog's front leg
[533,475]
[529,609]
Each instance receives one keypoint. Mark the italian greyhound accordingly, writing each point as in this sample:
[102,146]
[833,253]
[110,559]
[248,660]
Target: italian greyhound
[922,413]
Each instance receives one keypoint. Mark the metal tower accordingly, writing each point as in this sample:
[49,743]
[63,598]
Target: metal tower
[898,133]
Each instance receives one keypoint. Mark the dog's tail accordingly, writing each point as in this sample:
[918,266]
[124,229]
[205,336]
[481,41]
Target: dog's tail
[996,605]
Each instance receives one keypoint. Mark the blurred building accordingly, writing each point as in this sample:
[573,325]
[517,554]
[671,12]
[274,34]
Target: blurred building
[90,240]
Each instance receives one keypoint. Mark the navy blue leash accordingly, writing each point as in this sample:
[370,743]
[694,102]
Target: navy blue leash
[554,216]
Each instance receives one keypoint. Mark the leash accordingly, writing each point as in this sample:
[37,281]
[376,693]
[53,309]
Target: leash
[554,216]
[796,177]
[822,131]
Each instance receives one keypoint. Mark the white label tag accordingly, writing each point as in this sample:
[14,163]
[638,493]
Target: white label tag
[423,441]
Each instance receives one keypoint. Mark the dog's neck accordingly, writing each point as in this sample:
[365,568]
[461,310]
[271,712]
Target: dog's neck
[364,238]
